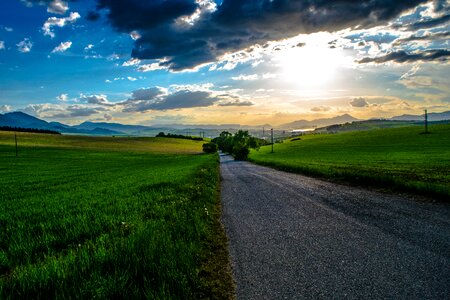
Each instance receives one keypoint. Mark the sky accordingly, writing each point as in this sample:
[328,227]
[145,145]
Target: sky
[159,62]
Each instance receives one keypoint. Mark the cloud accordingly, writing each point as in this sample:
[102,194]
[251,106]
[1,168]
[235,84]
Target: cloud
[107,117]
[359,102]
[402,56]
[53,6]
[2,45]
[245,77]
[96,99]
[237,103]
[62,47]
[147,94]
[429,23]
[93,16]
[322,108]
[63,97]
[188,34]
[157,98]
[135,35]
[131,62]
[25,45]
[5,108]
[425,37]
[57,7]
[151,67]
[74,111]
[59,22]
[88,47]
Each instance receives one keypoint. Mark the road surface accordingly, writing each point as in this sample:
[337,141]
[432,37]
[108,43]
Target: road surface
[294,237]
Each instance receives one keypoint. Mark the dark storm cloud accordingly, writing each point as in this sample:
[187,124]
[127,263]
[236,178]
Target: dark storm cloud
[426,37]
[93,16]
[429,23]
[403,57]
[236,24]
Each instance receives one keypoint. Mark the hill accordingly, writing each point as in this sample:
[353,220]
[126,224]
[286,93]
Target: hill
[401,158]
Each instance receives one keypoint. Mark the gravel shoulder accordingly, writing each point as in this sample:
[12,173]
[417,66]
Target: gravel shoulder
[295,237]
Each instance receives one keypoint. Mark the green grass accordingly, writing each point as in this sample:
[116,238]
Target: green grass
[398,158]
[104,218]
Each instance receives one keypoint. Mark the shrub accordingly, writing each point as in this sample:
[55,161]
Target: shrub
[209,148]
[240,152]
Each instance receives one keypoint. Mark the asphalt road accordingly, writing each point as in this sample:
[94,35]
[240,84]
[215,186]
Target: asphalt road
[294,237]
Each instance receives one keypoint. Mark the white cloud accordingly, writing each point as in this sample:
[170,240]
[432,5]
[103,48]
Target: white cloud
[113,56]
[131,78]
[269,76]
[2,45]
[59,22]
[25,45]
[151,67]
[8,29]
[88,47]
[62,47]
[5,108]
[63,97]
[131,62]
[135,35]
[57,7]
[246,77]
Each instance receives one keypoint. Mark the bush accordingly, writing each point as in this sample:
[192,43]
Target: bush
[209,148]
[240,152]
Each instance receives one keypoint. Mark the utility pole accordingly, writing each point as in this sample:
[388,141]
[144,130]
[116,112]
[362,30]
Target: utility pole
[15,139]
[271,134]
[426,121]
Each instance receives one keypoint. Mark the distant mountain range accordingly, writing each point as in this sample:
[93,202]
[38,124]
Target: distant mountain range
[23,120]
[431,117]
[302,124]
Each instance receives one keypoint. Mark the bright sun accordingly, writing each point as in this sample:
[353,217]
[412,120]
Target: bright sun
[309,66]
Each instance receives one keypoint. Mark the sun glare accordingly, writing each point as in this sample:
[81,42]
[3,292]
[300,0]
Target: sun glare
[310,66]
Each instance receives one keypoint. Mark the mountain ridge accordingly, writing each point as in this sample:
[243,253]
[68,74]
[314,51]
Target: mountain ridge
[23,120]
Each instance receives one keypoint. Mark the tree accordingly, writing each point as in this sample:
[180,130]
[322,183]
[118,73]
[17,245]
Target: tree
[238,144]
[209,147]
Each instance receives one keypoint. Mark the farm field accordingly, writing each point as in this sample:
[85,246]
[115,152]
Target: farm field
[398,158]
[85,217]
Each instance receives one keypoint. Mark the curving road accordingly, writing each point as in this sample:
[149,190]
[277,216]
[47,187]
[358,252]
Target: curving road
[294,237]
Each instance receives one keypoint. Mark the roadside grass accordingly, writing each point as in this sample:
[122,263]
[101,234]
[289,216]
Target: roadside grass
[402,159]
[106,218]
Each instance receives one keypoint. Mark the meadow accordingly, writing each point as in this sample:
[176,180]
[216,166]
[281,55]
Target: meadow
[105,217]
[402,159]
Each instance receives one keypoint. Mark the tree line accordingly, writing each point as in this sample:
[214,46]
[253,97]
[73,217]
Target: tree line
[179,136]
[34,130]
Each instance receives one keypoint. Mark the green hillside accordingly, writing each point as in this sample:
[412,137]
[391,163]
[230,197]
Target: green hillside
[109,218]
[401,158]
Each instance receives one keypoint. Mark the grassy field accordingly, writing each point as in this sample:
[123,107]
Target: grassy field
[398,158]
[84,217]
